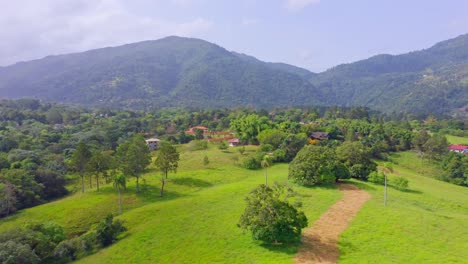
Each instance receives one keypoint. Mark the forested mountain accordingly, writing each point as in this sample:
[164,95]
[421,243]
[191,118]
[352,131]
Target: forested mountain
[186,72]
[433,80]
[172,71]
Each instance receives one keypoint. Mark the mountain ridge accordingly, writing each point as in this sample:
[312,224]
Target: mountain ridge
[179,72]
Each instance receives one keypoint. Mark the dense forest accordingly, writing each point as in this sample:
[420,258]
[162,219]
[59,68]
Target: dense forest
[38,141]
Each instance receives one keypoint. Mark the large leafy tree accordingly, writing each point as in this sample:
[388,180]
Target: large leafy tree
[357,159]
[248,127]
[270,215]
[313,165]
[80,159]
[167,159]
[134,156]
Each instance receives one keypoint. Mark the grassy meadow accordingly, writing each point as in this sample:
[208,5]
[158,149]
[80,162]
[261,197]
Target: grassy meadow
[194,223]
[457,140]
[196,220]
[425,224]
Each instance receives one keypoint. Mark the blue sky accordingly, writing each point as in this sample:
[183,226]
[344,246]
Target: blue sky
[314,34]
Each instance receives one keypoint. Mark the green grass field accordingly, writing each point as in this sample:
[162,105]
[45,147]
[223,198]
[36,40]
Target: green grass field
[457,140]
[196,220]
[194,223]
[426,224]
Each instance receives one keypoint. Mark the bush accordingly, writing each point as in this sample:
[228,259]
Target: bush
[251,163]
[223,145]
[266,148]
[12,252]
[279,155]
[198,145]
[400,183]
[270,217]
[377,178]
[107,230]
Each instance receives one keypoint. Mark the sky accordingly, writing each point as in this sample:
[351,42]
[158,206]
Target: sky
[314,34]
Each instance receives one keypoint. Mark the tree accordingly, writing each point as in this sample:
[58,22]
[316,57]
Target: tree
[313,165]
[7,199]
[271,217]
[272,137]
[247,127]
[167,159]
[387,168]
[419,141]
[357,158]
[436,146]
[80,159]
[199,134]
[265,163]
[134,156]
[99,163]
[293,144]
[163,183]
[120,183]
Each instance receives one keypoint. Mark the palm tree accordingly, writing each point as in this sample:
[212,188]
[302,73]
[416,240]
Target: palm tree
[266,162]
[387,168]
[120,182]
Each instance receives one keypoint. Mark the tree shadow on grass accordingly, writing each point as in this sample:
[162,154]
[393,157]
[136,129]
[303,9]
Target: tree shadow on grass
[286,248]
[328,186]
[406,190]
[191,182]
[361,185]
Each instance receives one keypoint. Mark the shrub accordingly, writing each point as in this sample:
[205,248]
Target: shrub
[279,155]
[12,252]
[251,163]
[198,145]
[377,178]
[223,145]
[266,148]
[107,230]
[400,183]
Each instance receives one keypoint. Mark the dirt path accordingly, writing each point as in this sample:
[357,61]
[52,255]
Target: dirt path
[320,242]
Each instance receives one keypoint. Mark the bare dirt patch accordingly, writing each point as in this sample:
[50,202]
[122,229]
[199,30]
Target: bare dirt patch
[320,242]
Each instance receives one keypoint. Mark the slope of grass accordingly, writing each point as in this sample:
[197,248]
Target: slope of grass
[457,140]
[194,222]
[426,224]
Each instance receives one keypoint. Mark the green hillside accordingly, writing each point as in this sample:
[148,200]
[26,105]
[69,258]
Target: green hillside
[432,80]
[185,72]
[197,218]
[172,71]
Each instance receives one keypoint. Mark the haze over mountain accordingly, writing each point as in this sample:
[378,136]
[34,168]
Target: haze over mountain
[186,72]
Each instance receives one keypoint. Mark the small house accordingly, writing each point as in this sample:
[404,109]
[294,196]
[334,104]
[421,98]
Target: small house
[234,142]
[459,148]
[152,143]
[191,131]
[319,135]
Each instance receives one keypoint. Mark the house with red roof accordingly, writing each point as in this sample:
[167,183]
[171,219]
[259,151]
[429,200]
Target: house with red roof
[459,148]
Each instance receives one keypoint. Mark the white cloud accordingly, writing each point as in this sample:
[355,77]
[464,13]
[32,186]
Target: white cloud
[296,5]
[33,29]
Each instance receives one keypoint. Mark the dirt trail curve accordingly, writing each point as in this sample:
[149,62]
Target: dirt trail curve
[320,242]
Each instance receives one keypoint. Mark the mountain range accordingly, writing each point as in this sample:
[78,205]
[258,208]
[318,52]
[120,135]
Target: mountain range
[187,72]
